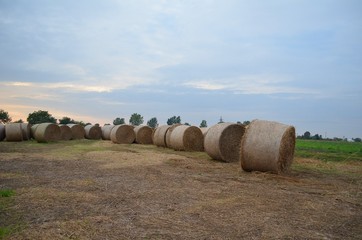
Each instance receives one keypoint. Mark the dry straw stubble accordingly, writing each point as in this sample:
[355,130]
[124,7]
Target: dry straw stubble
[93,132]
[187,138]
[159,136]
[267,147]
[123,134]
[143,134]
[222,142]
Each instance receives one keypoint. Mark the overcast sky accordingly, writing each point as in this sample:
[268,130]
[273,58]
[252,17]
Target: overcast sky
[298,62]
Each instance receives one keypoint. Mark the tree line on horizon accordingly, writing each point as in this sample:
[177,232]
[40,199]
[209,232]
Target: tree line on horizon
[136,119]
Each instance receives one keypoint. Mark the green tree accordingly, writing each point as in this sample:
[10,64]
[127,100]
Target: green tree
[4,116]
[153,123]
[173,120]
[40,117]
[221,120]
[66,120]
[136,119]
[118,121]
[188,124]
[306,135]
[203,124]
[19,121]
[357,139]
[246,123]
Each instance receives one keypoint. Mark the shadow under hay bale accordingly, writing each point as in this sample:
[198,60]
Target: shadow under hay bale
[47,132]
[159,136]
[13,132]
[168,134]
[187,138]
[26,131]
[106,132]
[143,134]
[2,132]
[77,131]
[93,132]
[222,142]
[65,132]
[267,147]
[123,134]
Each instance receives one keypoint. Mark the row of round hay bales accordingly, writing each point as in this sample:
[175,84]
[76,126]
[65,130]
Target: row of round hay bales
[15,132]
[179,137]
[123,134]
[262,146]
[2,132]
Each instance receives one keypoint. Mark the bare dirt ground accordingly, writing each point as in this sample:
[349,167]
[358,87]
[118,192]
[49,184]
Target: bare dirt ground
[99,190]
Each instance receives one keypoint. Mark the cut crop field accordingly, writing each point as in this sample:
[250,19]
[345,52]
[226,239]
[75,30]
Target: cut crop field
[83,189]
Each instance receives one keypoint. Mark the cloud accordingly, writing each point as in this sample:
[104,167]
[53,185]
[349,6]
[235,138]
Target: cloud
[251,84]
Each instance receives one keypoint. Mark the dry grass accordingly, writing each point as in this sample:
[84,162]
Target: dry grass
[99,190]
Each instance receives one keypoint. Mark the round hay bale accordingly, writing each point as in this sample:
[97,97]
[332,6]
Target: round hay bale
[65,132]
[2,132]
[77,131]
[159,136]
[26,131]
[168,134]
[33,129]
[222,141]
[123,134]
[143,134]
[204,130]
[93,132]
[267,147]
[106,132]
[187,138]
[47,132]
[13,132]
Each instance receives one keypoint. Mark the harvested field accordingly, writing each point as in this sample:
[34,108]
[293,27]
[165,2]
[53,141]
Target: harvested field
[86,189]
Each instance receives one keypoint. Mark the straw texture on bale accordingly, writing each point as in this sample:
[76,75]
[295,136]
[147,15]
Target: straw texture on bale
[204,130]
[143,134]
[47,132]
[13,132]
[33,129]
[168,134]
[65,132]
[2,132]
[222,142]
[26,131]
[106,132]
[123,134]
[187,138]
[159,136]
[77,131]
[93,132]
[267,147]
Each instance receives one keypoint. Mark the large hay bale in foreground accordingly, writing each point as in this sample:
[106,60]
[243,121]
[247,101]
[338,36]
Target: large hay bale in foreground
[168,134]
[65,132]
[187,138]
[123,134]
[93,132]
[77,131]
[106,132]
[2,132]
[143,134]
[47,132]
[13,132]
[26,131]
[222,141]
[159,136]
[267,147]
